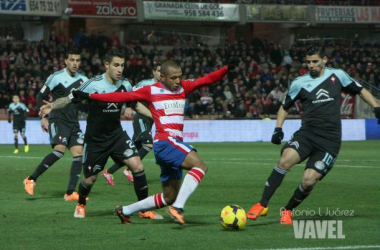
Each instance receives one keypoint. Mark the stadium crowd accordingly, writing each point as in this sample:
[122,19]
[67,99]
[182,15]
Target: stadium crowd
[254,90]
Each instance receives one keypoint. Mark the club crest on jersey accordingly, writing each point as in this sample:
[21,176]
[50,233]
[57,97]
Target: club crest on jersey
[162,90]
[333,79]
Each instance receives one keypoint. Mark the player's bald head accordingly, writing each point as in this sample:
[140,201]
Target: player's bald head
[167,65]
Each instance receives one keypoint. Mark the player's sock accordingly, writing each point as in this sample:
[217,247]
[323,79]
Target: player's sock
[189,184]
[49,160]
[299,195]
[152,202]
[273,182]
[83,192]
[16,143]
[141,185]
[143,151]
[76,168]
[114,168]
[25,140]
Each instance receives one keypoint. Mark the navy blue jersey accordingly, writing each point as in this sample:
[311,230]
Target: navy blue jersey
[19,111]
[60,84]
[321,99]
[103,121]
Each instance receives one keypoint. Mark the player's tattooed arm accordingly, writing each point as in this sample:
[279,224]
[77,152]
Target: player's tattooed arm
[49,106]
[61,102]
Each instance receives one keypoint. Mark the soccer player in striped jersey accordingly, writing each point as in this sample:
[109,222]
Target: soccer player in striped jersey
[320,136]
[166,100]
[20,112]
[142,126]
[104,136]
[62,126]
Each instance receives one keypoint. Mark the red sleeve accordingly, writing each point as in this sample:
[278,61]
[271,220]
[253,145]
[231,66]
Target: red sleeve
[191,85]
[141,94]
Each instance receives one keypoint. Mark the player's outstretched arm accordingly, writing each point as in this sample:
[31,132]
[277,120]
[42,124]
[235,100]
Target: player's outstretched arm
[142,94]
[368,98]
[278,134]
[50,106]
[140,108]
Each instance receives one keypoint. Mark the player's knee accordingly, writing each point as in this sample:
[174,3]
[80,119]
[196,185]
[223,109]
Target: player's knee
[285,163]
[136,167]
[308,183]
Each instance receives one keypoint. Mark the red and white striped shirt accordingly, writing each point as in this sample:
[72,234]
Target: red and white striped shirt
[167,107]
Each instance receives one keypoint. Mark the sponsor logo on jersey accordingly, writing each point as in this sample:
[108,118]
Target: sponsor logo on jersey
[111,108]
[323,94]
[174,107]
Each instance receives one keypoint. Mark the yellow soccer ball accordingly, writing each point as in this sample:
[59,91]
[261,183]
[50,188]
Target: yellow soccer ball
[233,218]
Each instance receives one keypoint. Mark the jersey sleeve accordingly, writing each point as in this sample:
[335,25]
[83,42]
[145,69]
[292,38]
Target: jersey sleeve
[349,84]
[291,96]
[191,85]
[127,85]
[141,94]
[25,108]
[51,82]
[87,86]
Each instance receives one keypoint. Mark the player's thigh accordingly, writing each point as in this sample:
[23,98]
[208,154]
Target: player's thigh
[76,137]
[170,190]
[59,134]
[296,150]
[171,152]
[321,162]
[192,160]
[134,164]
[95,156]
[123,150]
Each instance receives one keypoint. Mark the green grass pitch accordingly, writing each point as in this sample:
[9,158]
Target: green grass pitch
[237,174]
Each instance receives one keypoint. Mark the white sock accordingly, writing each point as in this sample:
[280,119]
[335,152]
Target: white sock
[190,183]
[152,202]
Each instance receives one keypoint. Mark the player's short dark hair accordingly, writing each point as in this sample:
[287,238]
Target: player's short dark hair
[316,49]
[72,51]
[113,53]
[168,64]
[155,66]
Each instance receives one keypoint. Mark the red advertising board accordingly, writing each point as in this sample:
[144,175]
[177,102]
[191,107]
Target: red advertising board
[347,108]
[104,8]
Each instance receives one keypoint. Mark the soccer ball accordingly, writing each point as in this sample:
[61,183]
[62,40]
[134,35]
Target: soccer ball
[233,218]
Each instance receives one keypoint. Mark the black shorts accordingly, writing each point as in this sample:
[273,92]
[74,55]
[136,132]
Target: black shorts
[322,152]
[19,126]
[95,154]
[62,134]
[142,129]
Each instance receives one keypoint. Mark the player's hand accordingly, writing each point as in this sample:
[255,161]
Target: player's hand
[128,112]
[45,109]
[233,63]
[78,96]
[376,111]
[45,124]
[277,136]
